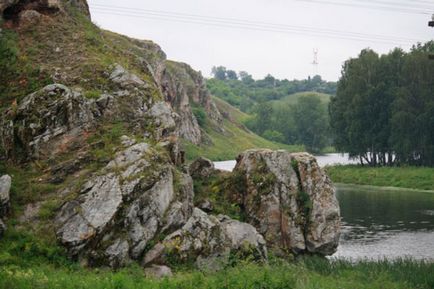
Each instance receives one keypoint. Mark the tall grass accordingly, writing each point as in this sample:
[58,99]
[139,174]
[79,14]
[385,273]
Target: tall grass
[404,177]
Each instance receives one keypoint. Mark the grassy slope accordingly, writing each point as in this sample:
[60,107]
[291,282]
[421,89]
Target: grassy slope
[292,98]
[403,177]
[235,139]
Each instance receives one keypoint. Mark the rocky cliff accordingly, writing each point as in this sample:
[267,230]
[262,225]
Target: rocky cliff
[90,133]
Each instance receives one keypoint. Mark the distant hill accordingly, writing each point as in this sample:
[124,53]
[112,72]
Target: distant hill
[292,98]
[232,139]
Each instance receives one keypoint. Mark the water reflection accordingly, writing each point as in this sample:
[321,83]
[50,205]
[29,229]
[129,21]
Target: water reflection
[391,224]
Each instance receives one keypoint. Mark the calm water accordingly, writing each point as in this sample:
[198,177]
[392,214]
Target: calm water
[328,159]
[386,224]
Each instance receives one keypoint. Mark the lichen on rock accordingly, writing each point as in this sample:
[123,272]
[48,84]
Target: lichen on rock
[289,199]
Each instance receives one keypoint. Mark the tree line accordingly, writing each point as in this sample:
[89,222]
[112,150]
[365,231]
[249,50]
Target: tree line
[276,112]
[244,92]
[383,111]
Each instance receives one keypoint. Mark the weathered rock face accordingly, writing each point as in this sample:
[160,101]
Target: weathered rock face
[201,168]
[5,187]
[289,199]
[209,241]
[182,87]
[45,122]
[23,10]
[125,206]
[56,119]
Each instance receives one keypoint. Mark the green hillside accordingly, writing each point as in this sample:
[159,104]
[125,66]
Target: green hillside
[292,98]
[234,139]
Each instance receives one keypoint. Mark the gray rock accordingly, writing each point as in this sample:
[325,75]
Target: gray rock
[158,271]
[209,241]
[201,168]
[5,187]
[127,141]
[206,206]
[117,254]
[2,228]
[126,79]
[124,207]
[289,199]
[164,119]
[46,122]
[29,18]
[323,224]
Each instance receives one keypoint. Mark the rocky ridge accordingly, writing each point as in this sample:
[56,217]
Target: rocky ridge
[111,146]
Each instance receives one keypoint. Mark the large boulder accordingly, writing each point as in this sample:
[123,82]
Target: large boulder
[201,168]
[5,187]
[289,199]
[124,207]
[209,242]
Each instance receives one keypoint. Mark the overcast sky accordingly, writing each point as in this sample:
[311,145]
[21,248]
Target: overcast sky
[261,51]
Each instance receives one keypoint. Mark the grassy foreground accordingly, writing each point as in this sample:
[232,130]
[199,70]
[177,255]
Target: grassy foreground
[308,274]
[421,178]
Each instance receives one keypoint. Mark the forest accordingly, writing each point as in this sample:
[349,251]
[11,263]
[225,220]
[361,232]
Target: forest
[383,111]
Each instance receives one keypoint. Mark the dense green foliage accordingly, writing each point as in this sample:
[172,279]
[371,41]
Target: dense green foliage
[278,111]
[383,112]
[243,92]
[421,178]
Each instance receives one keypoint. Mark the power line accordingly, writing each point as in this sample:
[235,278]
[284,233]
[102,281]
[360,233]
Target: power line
[376,7]
[399,4]
[245,24]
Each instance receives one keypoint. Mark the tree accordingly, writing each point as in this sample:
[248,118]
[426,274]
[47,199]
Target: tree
[231,75]
[245,77]
[383,111]
[311,123]
[219,72]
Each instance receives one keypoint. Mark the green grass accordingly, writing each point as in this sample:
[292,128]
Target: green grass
[39,267]
[292,98]
[421,178]
[228,145]
[236,114]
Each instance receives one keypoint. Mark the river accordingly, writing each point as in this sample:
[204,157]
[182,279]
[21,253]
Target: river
[378,223]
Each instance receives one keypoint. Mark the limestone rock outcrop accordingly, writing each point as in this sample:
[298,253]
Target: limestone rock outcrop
[289,199]
[201,168]
[46,121]
[209,241]
[124,207]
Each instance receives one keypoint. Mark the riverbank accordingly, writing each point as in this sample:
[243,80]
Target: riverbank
[307,274]
[416,178]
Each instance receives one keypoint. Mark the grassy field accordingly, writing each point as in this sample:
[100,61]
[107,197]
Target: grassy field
[420,178]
